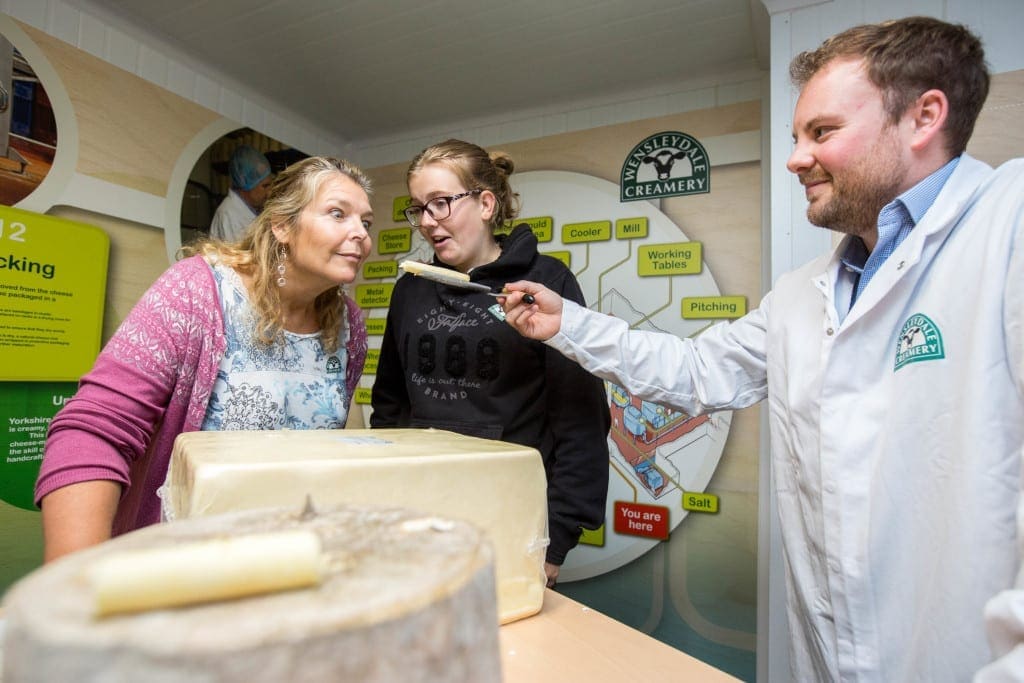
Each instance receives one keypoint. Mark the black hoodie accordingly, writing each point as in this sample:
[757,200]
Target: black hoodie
[448,360]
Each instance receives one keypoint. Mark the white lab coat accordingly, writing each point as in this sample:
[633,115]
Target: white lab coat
[231,219]
[898,489]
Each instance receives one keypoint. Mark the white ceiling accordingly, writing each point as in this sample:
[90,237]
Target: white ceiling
[379,68]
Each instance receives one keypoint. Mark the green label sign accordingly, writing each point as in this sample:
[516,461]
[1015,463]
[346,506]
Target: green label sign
[398,206]
[396,241]
[372,359]
[680,258]
[563,256]
[631,228]
[593,537]
[362,396]
[543,227]
[375,326]
[700,502]
[374,296]
[700,307]
[375,270]
[594,231]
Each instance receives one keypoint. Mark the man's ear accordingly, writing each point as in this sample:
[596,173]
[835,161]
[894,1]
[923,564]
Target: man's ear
[929,113]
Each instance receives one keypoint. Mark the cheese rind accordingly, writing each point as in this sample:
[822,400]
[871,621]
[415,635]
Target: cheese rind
[403,597]
[500,487]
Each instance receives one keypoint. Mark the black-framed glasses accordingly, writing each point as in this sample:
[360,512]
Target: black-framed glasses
[439,208]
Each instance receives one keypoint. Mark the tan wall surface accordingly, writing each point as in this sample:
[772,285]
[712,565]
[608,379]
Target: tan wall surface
[131,132]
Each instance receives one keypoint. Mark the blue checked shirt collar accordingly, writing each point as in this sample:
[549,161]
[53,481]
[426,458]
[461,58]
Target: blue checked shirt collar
[895,221]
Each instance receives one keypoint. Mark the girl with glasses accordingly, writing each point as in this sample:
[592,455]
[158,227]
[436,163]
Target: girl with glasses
[449,361]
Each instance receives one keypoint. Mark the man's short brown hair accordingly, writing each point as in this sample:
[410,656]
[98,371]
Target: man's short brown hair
[906,57]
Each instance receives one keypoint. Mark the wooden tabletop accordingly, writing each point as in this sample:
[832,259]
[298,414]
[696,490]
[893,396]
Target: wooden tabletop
[568,642]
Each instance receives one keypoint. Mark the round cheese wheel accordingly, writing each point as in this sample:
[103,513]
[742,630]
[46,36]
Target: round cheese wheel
[403,597]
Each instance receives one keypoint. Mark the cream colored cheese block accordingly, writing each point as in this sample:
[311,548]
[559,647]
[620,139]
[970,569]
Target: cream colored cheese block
[498,486]
[404,597]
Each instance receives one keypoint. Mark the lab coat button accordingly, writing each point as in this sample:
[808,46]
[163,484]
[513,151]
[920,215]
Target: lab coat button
[829,331]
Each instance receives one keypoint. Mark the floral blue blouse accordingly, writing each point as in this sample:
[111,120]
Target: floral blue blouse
[294,385]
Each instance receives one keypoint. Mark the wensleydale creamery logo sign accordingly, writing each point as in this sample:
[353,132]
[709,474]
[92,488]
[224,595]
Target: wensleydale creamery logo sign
[665,165]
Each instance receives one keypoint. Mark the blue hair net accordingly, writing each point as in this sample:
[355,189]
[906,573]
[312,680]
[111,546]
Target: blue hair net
[247,168]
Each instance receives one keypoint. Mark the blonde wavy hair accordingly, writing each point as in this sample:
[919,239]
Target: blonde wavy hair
[255,254]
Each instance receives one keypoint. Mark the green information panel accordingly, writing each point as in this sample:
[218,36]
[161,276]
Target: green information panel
[53,276]
[27,408]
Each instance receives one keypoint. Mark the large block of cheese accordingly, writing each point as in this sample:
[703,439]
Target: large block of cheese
[498,486]
[399,596]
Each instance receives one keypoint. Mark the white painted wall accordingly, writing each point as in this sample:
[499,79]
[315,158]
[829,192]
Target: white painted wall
[105,35]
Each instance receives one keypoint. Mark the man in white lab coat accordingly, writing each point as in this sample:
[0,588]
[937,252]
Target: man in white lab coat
[893,367]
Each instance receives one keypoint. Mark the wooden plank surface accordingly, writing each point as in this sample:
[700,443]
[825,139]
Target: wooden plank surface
[568,641]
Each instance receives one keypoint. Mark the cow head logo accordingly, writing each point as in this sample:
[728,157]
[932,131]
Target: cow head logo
[919,339]
[665,165]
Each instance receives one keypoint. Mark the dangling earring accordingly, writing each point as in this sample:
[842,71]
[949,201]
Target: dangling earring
[341,291]
[282,256]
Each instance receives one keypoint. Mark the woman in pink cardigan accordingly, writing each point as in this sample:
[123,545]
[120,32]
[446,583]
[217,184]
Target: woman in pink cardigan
[253,335]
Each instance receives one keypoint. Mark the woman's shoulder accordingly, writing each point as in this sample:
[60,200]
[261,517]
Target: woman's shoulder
[192,276]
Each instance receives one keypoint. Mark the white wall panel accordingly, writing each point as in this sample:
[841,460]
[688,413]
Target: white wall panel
[152,65]
[122,50]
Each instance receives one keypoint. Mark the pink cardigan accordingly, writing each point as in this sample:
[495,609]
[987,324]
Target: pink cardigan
[151,382]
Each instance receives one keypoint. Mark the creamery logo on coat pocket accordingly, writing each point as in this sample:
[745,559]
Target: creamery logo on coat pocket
[919,340]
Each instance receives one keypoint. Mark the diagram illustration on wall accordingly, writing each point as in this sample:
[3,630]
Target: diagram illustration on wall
[634,263]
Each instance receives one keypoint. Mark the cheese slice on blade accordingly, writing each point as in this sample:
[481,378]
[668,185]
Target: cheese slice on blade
[402,596]
[498,486]
[435,273]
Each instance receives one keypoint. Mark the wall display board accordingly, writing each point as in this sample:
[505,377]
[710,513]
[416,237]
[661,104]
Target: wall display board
[633,262]
[52,287]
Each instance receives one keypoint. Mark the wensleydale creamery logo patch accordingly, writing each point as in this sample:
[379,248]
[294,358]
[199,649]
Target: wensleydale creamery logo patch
[919,340]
